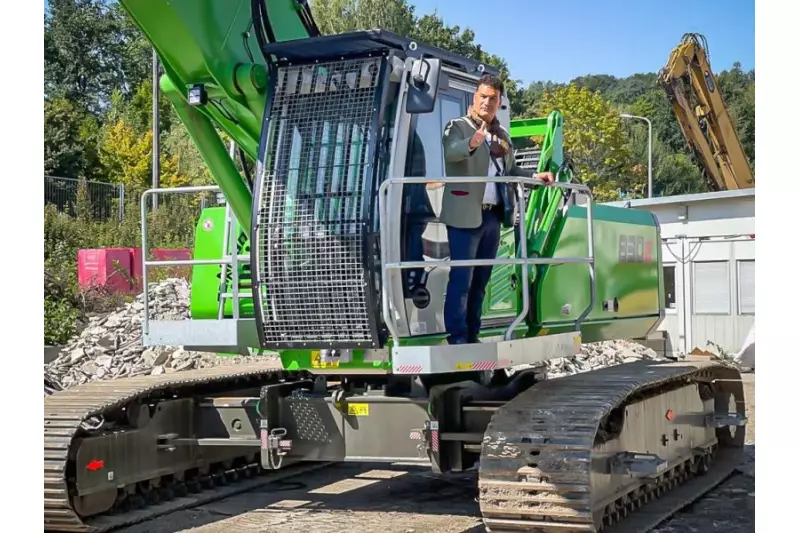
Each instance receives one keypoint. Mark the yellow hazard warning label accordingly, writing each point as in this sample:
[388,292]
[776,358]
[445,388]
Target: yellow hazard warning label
[358,409]
[317,362]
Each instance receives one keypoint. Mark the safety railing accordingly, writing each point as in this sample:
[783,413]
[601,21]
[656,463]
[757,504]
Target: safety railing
[387,264]
[227,259]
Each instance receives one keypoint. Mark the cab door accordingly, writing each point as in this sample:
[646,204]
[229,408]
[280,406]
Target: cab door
[423,236]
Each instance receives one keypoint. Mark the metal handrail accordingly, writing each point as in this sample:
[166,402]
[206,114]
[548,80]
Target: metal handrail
[386,266]
[232,260]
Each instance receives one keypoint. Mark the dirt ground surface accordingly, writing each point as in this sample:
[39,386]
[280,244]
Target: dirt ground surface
[407,499]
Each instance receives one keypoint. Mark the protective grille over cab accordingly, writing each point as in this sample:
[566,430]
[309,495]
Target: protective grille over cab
[315,204]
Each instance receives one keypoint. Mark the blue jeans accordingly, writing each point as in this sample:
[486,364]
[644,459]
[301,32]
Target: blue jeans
[466,287]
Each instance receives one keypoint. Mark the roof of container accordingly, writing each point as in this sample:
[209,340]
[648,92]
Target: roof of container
[684,198]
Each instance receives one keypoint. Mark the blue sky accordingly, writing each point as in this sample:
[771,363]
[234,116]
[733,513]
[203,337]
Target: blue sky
[558,40]
[561,39]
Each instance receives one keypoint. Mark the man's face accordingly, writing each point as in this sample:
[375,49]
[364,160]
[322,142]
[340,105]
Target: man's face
[486,102]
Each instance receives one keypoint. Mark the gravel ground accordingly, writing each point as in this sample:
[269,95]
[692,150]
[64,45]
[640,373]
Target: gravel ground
[401,499]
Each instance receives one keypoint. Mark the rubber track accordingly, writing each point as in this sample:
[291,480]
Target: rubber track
[547,434]
[65,411]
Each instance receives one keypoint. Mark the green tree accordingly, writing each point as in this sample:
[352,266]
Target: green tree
[340,16]
[600,83]
[137,109]
[738,91]
[188,161]
[746,122]
[125,155]
[596,141]
[673,173]
[656,106]
[92,53]
[70,148]
[677,174]
[528,98]
[75,66]
[131,48]
[90,48]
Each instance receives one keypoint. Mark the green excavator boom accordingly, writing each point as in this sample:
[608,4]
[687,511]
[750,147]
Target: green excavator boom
[215,75]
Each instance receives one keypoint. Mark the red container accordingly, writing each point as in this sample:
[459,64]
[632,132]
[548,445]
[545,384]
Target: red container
[171,254]
[105,267]
[167,254]
[136,268]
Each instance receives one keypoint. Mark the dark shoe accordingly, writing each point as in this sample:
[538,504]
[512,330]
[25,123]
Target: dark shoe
[460,340]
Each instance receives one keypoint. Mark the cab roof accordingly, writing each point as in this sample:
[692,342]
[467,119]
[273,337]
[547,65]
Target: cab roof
[366,42]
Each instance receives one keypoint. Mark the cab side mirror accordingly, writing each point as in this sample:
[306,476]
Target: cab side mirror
[423,85]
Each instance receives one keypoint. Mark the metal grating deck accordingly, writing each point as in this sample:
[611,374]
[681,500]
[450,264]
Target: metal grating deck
[315,198]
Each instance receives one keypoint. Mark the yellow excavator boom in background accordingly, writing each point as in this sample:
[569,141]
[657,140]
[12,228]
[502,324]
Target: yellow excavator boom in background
[694,93]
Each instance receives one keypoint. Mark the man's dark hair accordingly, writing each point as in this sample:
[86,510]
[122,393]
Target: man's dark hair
[492,81]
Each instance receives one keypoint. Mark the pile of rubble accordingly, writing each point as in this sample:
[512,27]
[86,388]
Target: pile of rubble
[599,355]
[111,345]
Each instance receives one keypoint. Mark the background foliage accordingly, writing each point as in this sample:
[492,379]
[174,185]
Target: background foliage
[97,112]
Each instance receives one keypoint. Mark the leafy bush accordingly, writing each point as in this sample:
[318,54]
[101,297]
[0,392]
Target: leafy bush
[60,321]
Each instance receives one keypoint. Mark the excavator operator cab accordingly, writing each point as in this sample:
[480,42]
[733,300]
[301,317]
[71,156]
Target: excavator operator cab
[345,112]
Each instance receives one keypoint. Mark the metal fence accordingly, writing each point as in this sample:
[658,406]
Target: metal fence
[105,200]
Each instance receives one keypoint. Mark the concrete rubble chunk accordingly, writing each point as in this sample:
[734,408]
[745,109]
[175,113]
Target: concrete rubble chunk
[148,357]
[111,345]
[75,355]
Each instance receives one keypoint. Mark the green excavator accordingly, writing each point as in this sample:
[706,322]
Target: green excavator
[330,253]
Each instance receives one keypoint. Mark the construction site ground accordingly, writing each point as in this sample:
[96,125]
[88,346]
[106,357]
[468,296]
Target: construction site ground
[408,499]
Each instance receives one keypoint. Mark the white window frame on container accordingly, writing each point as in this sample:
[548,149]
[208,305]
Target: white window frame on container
[720,282]
[751,304]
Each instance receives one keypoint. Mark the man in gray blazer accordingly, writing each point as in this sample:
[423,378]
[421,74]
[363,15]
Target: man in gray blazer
[476,145]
